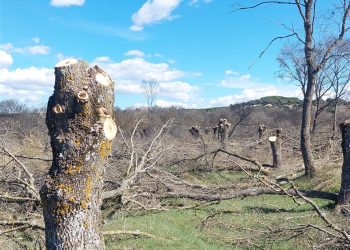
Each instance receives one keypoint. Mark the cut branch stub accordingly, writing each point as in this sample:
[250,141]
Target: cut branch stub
[344,193]
[81,142]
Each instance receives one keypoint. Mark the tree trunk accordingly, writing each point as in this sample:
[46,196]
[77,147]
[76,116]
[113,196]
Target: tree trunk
[334,127]
[81,127]
[276,151]
[305,143]
[317,113]
[305,138]
[344,193]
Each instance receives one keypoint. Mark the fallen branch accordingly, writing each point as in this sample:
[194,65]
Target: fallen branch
[133,233]
[322,215]
[33,224]
[217,197]
[16,199]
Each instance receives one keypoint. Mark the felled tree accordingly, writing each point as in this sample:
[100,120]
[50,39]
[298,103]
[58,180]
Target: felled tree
[81,126]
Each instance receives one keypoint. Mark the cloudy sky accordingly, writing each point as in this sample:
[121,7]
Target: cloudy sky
[199,50]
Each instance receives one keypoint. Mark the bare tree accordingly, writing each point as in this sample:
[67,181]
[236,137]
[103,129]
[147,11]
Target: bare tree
[150,90]
[307,12]
[242,112]
[293,67]
[338,74]
[81,127]
[12,106]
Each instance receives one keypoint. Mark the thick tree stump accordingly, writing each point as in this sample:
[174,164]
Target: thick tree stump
[262,129]
[80,122]
[344,193]
[276,151]
[223,128]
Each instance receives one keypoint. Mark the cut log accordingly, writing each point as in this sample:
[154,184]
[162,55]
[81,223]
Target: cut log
[344,193]
[81,140]
[276,151]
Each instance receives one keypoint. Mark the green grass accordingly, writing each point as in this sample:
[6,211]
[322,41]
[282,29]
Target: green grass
[259,219]
[235,219]
[215,178]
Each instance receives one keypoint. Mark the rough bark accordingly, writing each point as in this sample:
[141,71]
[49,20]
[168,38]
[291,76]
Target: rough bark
[81,127]
[305,142]
[334,123]
[317,113]
[344,193]
[276,151]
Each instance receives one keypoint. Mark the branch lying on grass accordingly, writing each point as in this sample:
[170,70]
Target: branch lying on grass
[341,233]
[217,197]
[15,199]
[133,233]
[260,168]
[322,215]
[29,224]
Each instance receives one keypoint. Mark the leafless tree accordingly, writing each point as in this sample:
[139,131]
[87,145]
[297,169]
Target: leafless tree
[242,112]
[150,90]
[338,74]
[307,11]
[12,106]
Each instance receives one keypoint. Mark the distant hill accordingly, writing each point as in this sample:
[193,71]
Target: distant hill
[276,101]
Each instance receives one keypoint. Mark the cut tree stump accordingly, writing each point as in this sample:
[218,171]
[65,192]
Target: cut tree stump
[81,127]
[276,151]
[344,193]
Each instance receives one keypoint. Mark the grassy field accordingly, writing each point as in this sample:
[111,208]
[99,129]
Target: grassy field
[266,221]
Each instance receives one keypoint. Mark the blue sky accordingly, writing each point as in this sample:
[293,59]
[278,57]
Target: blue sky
[198,50]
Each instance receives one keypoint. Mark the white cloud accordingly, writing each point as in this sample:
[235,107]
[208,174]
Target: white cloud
[103,59]
[39,50]
[196,2]
[129,73]
[240,81]
[5,59]
[28,84]
[178,90]
[6,46]
[231,72]
[153,11]
[66,3]
[36,40]
[36,84]
[32,50]
[135,52]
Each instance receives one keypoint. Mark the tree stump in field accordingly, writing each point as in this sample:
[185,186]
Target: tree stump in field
[276,151]
[262,129]
[344,193]
[223,128]
[81,126]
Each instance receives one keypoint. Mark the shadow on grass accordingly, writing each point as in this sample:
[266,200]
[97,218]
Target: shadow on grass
[300,209]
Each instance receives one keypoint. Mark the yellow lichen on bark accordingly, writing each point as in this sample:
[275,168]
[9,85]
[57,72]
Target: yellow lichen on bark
[105,149]
[62,209]
[71,199]
[88,188]
[83,204]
